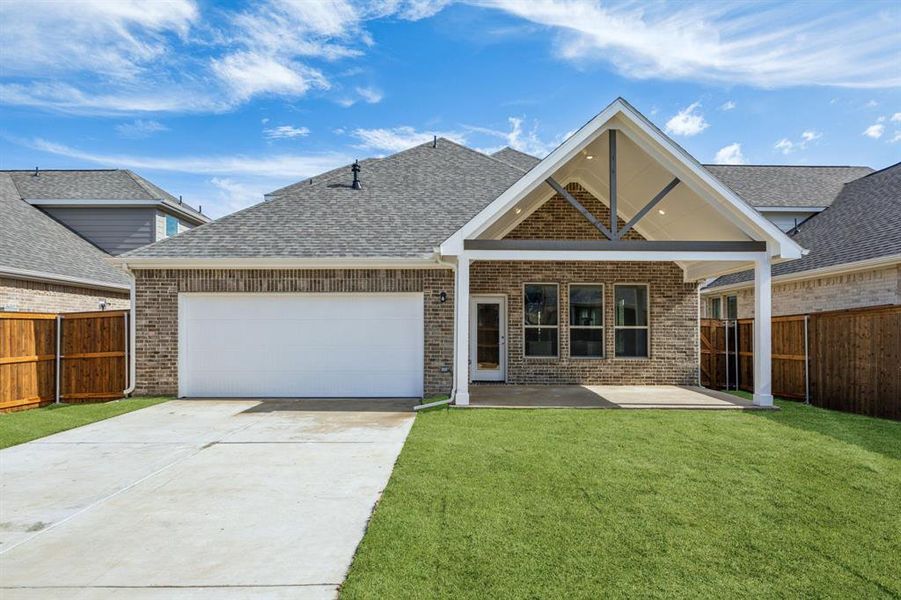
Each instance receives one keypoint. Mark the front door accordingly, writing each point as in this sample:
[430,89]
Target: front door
[488,337]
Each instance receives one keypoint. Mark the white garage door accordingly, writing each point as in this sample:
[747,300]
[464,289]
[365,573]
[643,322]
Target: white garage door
[327,345]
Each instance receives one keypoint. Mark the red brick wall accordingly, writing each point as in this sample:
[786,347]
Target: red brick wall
[558,220]
[157,312]
[38,296]
[673,322]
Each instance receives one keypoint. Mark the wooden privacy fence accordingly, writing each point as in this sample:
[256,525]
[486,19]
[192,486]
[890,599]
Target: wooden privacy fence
[846,360]
[87,362]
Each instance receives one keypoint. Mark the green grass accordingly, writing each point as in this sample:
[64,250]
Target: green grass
[802,502]
[27,425]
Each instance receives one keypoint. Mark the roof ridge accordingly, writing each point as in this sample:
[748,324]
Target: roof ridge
[877,172]
[482,154]
[143,185]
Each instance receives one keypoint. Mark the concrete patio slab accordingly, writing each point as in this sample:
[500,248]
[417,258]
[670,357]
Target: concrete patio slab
[251,500]
[605,396]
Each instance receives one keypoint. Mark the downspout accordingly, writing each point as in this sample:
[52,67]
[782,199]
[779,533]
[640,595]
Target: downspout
[453,392]
[132,359]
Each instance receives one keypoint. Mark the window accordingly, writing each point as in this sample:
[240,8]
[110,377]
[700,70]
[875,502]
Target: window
[540,319]
[171,225]
[731,307]
[586,320]
[631,325]
[713,308]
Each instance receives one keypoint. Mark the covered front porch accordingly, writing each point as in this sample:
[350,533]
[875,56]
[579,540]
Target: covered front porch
[606,396]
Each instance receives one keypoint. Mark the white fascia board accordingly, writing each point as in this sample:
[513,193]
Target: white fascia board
[853,267]
[748,217]
[791,208]
[280,263]
[120,203]
[29,275]
[536,176]
[611,256]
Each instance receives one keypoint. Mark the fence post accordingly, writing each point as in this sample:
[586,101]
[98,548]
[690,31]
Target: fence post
[59,334]
[806,363]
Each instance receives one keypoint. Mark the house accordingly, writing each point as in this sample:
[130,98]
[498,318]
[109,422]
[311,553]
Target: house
[60,228]
[422,272]
[854,259]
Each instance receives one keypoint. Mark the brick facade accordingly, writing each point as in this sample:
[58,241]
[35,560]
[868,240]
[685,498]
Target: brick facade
[157,311]
[37,296]
[673,322]
[556,219]
[876,287]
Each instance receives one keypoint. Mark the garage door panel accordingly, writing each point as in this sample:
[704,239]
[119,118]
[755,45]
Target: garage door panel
[301,345]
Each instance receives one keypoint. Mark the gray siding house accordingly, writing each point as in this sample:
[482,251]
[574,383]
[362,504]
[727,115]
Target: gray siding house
[60,228]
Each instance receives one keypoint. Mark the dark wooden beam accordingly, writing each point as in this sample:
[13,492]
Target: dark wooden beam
[618,245]
[647,207]
[614,217]
[578,206]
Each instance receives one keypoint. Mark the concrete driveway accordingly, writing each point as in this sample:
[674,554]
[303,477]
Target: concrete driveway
[197,499]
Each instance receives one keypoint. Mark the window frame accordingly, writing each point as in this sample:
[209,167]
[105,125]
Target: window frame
[174,219]
[725,307]
[710,301]
[647,327]
[602,326]
[525,326]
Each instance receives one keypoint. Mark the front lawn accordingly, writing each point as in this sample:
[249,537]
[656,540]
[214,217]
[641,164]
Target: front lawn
[27,425]
[802,502]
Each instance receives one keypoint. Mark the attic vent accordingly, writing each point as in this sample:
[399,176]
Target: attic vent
[357,184]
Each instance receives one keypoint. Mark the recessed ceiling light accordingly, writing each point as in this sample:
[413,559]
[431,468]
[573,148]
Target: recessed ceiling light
[589,157]
[518,210]
[662,212]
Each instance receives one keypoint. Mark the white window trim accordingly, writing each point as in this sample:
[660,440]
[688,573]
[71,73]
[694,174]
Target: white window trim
[709,306]
[522,298]
[602,326]
[647,327]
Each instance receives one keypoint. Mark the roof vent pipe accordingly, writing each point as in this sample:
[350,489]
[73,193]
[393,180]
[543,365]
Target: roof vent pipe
[434,141]
[36,171]
[357,184]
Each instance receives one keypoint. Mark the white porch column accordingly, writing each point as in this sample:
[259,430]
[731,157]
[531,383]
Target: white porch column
[763,314]
[461,322]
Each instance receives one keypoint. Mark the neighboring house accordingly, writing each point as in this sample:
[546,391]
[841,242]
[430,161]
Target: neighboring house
[443,266]
[854,259]
[114,209]
[60,227]
[787,195]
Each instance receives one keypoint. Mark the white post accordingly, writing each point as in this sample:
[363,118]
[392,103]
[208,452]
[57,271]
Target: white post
[763,315]
[462,324]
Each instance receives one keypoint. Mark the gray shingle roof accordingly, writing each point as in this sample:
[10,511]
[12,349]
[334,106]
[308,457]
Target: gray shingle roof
[863,223]
[771,185]
[32,241]
[92,184]
[410,203]
[516,158]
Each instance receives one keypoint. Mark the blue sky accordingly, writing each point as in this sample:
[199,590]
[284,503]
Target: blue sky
[222,102]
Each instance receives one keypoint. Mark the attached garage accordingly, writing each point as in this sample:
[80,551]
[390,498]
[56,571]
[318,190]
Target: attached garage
[300,345]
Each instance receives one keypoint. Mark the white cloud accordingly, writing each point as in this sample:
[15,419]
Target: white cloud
[285,132]
[874,131]
[139,129]
[233,194]
[370,94]
[687,121]
[727,105]
[871,104]
[785,145]
[780,44]
[810,136]
[249,73]
[896,118]
[293,166]
[895,138]
[520,138]
[730,155]
[396,139]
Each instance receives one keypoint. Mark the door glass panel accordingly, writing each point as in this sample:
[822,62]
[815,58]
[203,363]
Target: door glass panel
[488,332]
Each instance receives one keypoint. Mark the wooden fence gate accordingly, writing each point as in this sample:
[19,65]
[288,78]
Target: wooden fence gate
[846,360]
[87,363]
